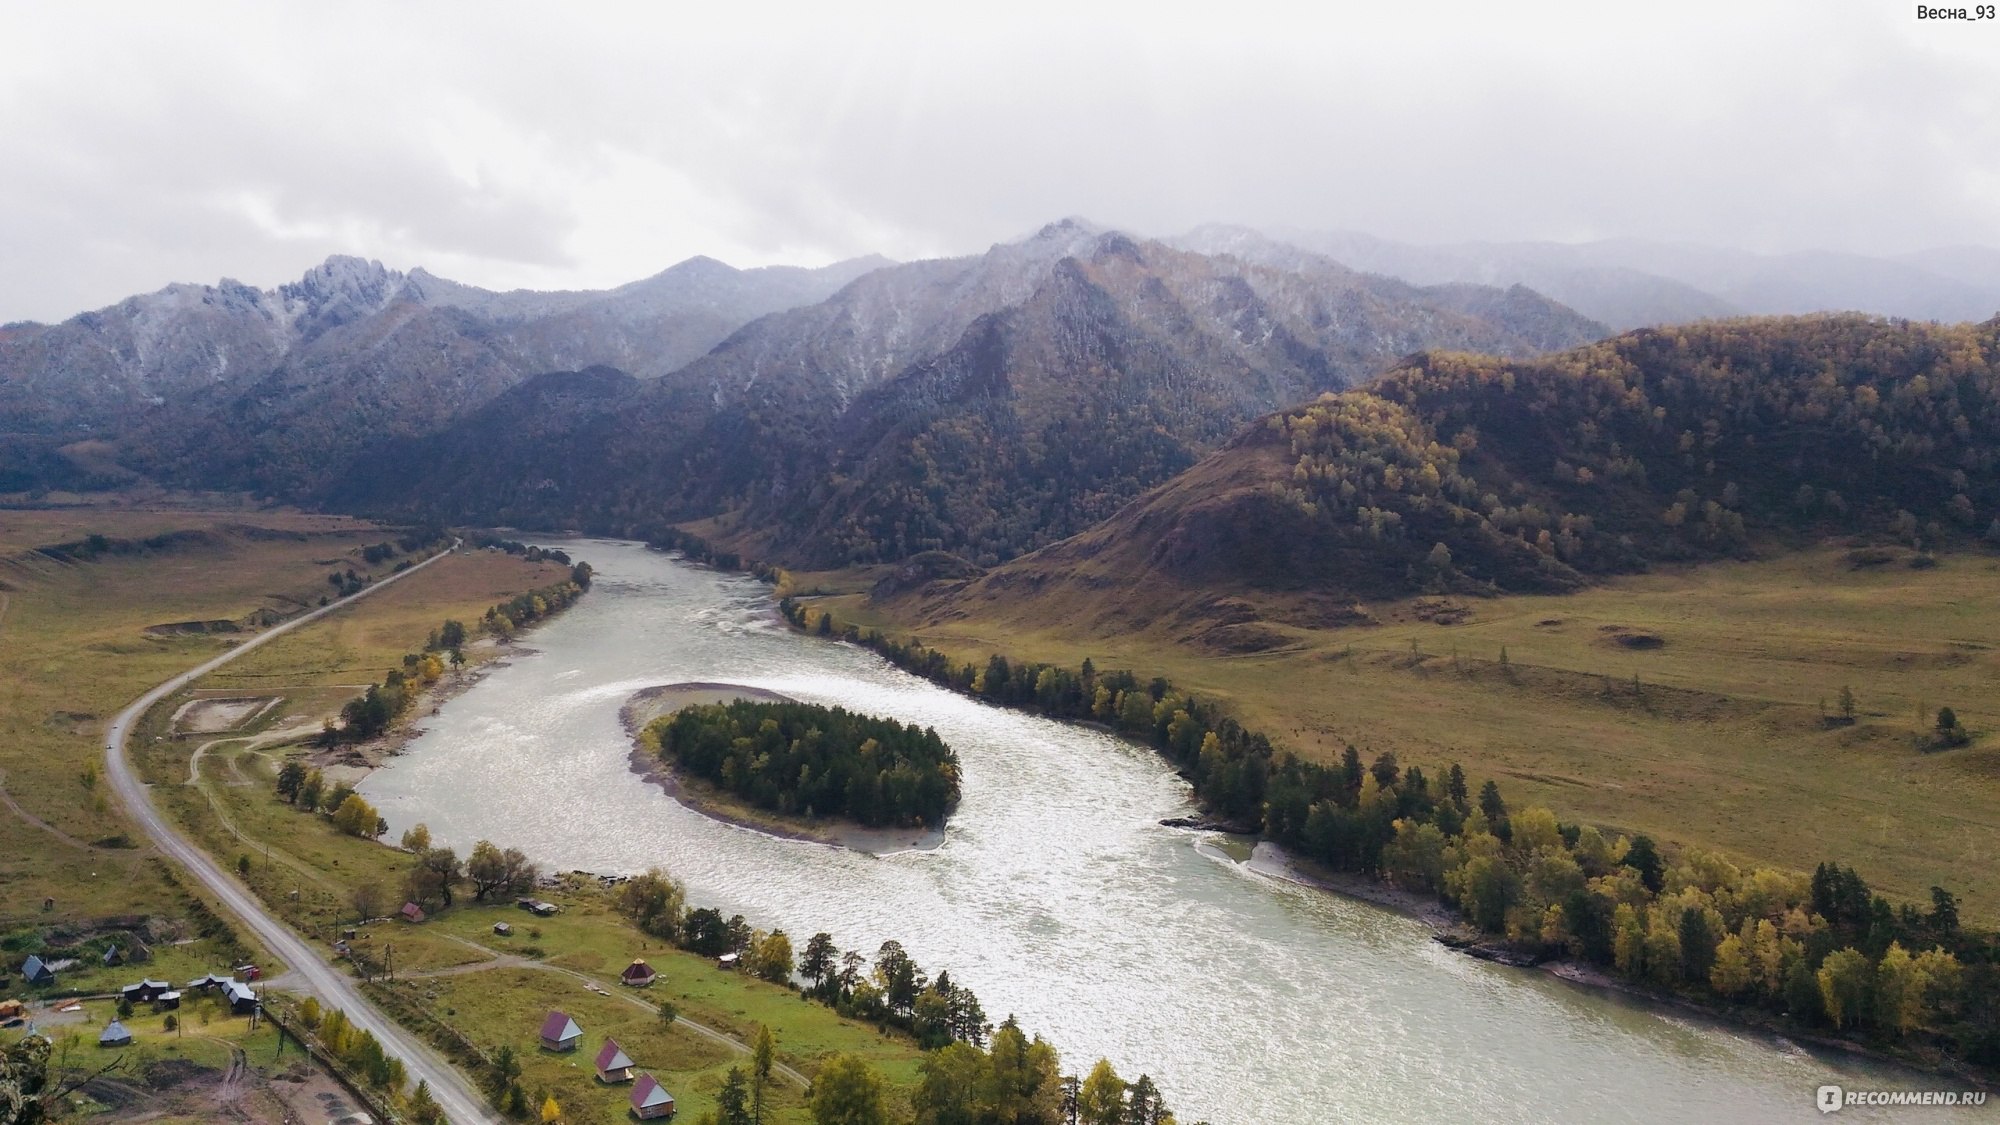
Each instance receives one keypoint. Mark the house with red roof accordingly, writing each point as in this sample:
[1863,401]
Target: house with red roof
[560,1033]
[613,1064]
[650,1100]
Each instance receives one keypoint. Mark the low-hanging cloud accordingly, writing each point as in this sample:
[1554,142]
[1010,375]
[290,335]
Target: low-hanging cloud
[588,145]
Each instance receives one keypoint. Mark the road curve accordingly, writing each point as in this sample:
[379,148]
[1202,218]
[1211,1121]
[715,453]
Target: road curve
[459,1099]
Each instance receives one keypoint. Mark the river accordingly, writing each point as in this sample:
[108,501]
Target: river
[1056,895]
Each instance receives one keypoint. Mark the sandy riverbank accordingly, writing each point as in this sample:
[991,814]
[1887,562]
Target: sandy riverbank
[649,704]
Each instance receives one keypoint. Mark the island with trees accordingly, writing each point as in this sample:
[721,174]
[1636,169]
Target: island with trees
[805,763]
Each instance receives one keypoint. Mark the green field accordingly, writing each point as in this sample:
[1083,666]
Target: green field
[1722,743]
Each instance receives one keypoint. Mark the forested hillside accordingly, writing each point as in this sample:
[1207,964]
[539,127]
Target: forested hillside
[1460,473]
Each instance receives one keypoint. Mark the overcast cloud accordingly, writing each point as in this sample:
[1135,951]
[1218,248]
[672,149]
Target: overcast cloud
[586,145]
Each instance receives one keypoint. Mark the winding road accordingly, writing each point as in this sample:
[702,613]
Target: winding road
[459,1099]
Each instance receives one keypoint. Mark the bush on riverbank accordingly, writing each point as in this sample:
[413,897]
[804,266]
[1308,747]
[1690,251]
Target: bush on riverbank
[375,710]
[800,759]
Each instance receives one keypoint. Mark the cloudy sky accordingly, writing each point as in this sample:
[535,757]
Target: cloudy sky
[574,145]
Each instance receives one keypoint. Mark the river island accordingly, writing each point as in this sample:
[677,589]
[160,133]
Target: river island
[760,760]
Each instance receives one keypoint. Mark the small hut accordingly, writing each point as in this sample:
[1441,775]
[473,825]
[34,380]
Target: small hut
[167,1001]
[503,929]
[412,912]
[613,1064]
[560,1033]
[114,1035]
[35,971]
[650,1100]
[638,974]
[730,961]
[113,956]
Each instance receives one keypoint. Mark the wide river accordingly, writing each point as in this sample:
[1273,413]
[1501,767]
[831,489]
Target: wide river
[1057,896]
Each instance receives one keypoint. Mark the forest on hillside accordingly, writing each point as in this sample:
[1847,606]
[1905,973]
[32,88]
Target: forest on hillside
[1473,474]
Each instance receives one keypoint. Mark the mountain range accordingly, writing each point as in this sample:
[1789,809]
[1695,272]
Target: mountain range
[982,405]
[272,390]
[985,406]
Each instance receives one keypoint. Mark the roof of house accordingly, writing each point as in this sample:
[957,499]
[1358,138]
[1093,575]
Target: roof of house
[648,1093]
[412,910]
[638,968]
[237,990]
[559,1027]
[114,1032]
[33,966]
[612,1057]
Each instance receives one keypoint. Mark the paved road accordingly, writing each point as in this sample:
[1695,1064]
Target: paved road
[460,1100]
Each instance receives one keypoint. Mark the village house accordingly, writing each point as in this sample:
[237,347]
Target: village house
[560,1033]
[146,991]
[242,1001]
[650,1100]
[35,971]
[638,974]
[412,912]
[114,1035]
[613,1064]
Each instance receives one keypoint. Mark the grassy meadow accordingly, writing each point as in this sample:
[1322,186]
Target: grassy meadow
[1686,704]
[76,646]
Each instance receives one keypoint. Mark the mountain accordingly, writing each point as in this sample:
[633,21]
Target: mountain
[1631,283]
[983,405]
[1466,474]
[232,386]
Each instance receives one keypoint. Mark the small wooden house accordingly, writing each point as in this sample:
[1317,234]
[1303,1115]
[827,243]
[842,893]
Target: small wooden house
[411,912]
[650,1100]
[729,961]
[503,929]
[560,1033]
[113,956]
[114,1035]
[36,972]
[206,983]
[146,991]
[613,1064]
[167,1001]
[638,974]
